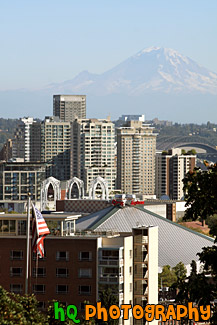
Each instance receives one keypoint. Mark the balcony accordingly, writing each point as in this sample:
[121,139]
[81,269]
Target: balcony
[141,275]
[109,262]
[140,240]
[109,279]
[141,259]
[141,291]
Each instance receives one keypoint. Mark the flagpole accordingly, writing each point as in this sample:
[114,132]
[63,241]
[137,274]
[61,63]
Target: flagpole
[27,243]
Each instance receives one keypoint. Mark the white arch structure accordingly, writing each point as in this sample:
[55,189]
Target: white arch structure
[93,185]
[44,191]
[69,186]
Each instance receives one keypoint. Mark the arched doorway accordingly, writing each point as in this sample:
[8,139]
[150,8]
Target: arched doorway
[50,192]
[98,191]
[98,186]
[75,189]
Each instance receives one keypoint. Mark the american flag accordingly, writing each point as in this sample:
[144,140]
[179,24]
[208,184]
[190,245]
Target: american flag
[39,232]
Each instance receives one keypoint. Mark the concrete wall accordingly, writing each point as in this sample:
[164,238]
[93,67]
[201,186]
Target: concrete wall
[158,209]
[153,267]
[128,276]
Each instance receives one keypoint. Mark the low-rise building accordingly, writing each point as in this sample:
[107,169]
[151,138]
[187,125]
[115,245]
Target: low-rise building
[17,179]
[79,267]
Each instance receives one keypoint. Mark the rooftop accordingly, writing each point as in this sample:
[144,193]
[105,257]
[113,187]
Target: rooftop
[176,243]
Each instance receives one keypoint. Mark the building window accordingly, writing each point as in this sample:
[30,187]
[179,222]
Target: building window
[17,255]
[16,271]
[21,227]
[85,256]
[39,272]
[62,289]
[7,227]
[110,254]
[38,288]
[85,273]
[16,288]
[62,273]
[85,290]
[131,287]
[62,256]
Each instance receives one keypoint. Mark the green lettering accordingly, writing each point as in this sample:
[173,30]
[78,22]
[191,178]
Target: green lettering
[58,310]
[73,315]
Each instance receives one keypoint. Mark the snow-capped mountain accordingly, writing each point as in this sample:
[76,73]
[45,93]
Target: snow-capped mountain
[157,82]
[152,69]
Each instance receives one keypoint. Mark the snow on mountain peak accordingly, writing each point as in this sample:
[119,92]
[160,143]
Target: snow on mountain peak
[170,53]
[148,50]
[151,69]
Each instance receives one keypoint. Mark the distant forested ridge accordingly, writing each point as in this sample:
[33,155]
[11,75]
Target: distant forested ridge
[7,128]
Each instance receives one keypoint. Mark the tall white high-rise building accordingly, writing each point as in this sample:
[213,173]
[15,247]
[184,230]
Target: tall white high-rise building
[136,146]
[93,151]
[21,141]
[55,147]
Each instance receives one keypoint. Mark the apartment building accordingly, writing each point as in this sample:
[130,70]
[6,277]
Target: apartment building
[132,118]
[55,147]
[171,168]
[77,268]
[145,261]
[21,140]
[136,146]
[19,178]
[36,141]
[69,107]
[93,151]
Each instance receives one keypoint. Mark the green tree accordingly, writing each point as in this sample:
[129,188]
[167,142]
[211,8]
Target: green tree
[180,272]
[212,224]
[51,316]
[192,152]
[167,277]
[108,298]
[195,289]
[83,320]
[201,196]
[200,189]
[16,309]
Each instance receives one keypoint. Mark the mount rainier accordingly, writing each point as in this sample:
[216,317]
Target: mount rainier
[153,69]
[158,82]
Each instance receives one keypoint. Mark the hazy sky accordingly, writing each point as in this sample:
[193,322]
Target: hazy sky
[45,41]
